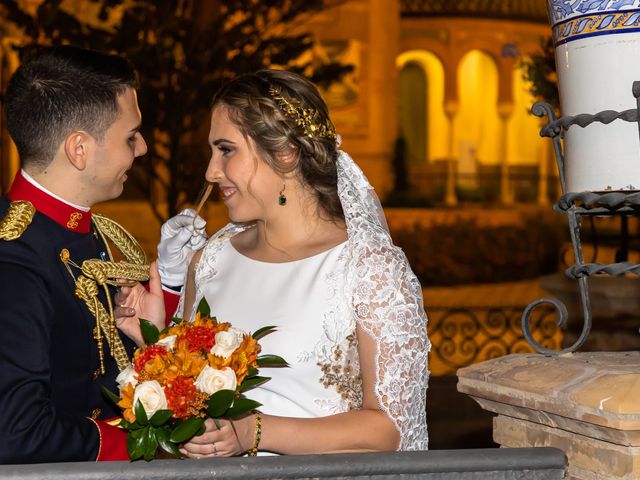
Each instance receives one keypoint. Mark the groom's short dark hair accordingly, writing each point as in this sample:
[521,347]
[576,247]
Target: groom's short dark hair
[60,89]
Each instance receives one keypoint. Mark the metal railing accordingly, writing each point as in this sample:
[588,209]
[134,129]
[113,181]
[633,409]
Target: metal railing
[576,205]
[462,336]
[481,464]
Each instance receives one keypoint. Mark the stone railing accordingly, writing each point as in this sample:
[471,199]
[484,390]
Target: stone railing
[482,464]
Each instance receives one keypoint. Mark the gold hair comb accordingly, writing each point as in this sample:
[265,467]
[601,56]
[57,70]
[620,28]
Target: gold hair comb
[307,118]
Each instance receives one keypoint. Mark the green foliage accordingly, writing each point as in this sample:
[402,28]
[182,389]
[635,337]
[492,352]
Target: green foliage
[109,394]
[464,253]
[186,430]
[203,308]
[219,403]
[183,51]
[271,361]
[149,331]
[252,382]
[540,70]
[261,332]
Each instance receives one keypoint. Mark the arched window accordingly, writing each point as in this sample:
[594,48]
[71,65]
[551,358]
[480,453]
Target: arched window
[422,121]
[412,104]
[477,123]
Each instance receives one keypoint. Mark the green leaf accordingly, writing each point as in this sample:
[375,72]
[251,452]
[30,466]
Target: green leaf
[176,320]
[149,443]
[162,435]
[258,334]
[124,424]
[160,417]
[271,361]
[203,308]
[220,402]
[241,406]
[186,430]
[252,382]
[110,395]
[251,371]
[134,444]
[141,415]
[149,331]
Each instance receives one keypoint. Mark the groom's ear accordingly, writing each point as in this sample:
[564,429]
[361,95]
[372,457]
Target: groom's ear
[78,147]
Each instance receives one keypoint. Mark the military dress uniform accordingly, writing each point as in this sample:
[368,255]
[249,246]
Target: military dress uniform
[51,405]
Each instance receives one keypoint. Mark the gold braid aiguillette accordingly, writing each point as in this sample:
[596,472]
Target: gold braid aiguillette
[307,118]
[98,274]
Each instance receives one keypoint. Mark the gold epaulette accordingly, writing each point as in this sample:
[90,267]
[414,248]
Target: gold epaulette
[17,219]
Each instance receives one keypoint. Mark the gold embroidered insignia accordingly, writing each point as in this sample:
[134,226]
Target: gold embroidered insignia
[74,219]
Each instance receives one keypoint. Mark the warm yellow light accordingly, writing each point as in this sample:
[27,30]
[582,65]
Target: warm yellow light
[437,125]
[477,125]
[526,146]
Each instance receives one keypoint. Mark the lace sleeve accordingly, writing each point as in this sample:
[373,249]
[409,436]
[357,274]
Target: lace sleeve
[387,301]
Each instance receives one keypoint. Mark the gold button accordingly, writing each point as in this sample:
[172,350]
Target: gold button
[95,413]
[95,375]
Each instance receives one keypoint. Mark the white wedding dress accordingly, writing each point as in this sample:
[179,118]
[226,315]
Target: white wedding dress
[295,297]
[315,304]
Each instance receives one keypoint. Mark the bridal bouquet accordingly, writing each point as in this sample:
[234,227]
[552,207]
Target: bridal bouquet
[184,374]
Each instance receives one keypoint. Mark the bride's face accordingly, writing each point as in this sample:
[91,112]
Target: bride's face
[249,187]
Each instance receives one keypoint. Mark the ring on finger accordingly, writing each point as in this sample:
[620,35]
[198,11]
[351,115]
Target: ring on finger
[215,450]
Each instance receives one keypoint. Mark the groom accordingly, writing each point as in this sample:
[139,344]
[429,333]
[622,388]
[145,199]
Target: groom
[74,117]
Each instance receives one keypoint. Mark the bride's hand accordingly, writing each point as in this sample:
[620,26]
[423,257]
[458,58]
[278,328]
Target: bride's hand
[231,439]
[134,303]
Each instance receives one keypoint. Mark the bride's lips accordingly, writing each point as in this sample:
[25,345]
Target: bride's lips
[227,192]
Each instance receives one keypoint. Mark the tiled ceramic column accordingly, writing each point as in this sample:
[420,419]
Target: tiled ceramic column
[587,404]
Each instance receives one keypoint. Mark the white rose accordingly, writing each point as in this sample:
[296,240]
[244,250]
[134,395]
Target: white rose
[227,342]
[128,375]
[151,396]
[212,380]
[167,342]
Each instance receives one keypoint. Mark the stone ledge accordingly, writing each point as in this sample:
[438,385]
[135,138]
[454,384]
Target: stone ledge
[589,458]
[600,388]
[587,404]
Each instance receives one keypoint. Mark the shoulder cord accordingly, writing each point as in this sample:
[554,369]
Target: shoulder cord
[99,273]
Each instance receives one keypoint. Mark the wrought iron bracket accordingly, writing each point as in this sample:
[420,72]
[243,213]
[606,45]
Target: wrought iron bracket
[576,204]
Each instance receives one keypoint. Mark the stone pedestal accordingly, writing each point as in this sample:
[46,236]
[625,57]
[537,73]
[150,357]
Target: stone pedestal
[587,404]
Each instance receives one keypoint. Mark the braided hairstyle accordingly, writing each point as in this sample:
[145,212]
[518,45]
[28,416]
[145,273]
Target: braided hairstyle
[257,114]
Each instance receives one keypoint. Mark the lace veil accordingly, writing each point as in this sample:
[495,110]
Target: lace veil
[387,303]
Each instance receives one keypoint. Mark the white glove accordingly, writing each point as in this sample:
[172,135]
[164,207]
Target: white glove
[180,238]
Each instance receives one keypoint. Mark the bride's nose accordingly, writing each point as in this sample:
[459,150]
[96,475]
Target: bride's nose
[214,170]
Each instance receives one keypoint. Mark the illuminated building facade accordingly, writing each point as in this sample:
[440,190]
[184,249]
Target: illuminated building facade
[443,75]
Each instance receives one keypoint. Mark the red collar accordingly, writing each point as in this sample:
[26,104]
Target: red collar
[66,215]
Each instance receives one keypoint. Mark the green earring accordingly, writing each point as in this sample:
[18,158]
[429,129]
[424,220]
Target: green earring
[282,199]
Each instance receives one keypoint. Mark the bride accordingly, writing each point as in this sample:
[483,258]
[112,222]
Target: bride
[308,250]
